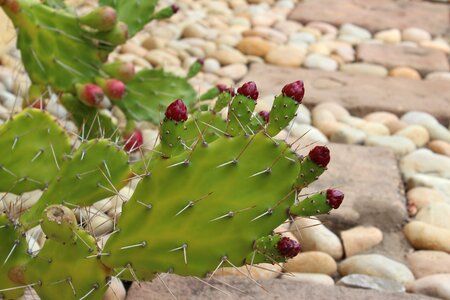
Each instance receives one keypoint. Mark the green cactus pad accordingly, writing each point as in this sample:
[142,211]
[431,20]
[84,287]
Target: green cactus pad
[283,111]
[13,256]
[190,198]
[95,171]
[310,172]
[151,91]
[265,251]
[32,147]
[240,114]
[311,206]
[91,122]
[48,38]
[68,270]
[136,14]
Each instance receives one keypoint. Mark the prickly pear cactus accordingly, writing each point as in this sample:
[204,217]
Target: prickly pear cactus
[32,148]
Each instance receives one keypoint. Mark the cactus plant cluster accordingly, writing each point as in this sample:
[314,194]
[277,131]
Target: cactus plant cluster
[209,195]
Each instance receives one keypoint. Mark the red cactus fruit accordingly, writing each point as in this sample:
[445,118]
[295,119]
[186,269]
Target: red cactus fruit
[335,198]
[249,90]
[38,104]
[201,61]
[288,248]
[320,155]
[175,8]
[231,91]
[90,94]
[265,115]
[221,87]
[177,111]
[133,141]
[115,89]
[295,90]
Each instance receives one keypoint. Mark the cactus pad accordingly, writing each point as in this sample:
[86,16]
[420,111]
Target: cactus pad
[32,147]
[201,193]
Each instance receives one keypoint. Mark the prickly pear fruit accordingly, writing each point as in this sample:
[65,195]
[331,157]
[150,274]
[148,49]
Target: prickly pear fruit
[90,94]
[288,247]
[249,89]
[335,198]
[121,70]
[59,223]
[320,203]
[177,111]
[133,141]
[265,115]
[113,88]
[313,166]
[103,18]
[172,127]
[294,90]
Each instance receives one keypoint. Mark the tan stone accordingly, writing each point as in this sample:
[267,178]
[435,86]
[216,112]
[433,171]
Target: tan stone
[416,133]
[359,239]
[8,33]
[439,147]
[405,72]
[311,262]
[254,46]
[428,237]
[419,197]
[229,56]
[286,56]
[259,271]
[424,263]
[382,117]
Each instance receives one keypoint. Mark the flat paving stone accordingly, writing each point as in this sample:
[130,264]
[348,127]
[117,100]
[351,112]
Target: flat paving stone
[191,288]
[376,15]
[424,60]
[361,94]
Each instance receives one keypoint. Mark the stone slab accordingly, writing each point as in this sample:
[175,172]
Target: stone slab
[7,33]
[376,15]
[424,60]
[361,94]
[191,288]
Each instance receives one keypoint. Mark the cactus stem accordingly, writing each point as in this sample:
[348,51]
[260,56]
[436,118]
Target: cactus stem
[141,244]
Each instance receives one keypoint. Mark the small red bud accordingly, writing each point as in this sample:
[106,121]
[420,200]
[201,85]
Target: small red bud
[115,89]
[320,155]
[249,90]
[335,198]
[265,115]
[288,248]
[177,111]
[133,141]
[295,90]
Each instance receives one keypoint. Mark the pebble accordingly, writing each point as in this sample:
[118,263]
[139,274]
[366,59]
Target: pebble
[416,133]
[415,35]
[311,262]
[395,126]
[436,44]
[286,56]
[315,237]
[229,56]
[440,184]
[254,46]
[95,222]
[303,115]
[133,48]
[309,278]
[302,38]
[324,28]
[330,127]
[424,263]
[320,62]
[345,51]
[370,282]
[438,76]
[233,71]
[267,271]
[211,65]
[419,197]
[115,291]
[382,117]
[360,238]
[426,162]
[439,147]
[405,72]
[336,110]
[152,42]
[398,144]
[162,58]
[374,129]
[436,130]
[353,121]
[437,286]
[348,135]
[390,36]
[364,68]
[267,33]
[320,48]
[376,265]
[308,133]
[428,237]
[287,27]
[353,33]
[436,214]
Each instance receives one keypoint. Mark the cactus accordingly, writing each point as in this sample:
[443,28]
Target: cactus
[227,179]
[32,147]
